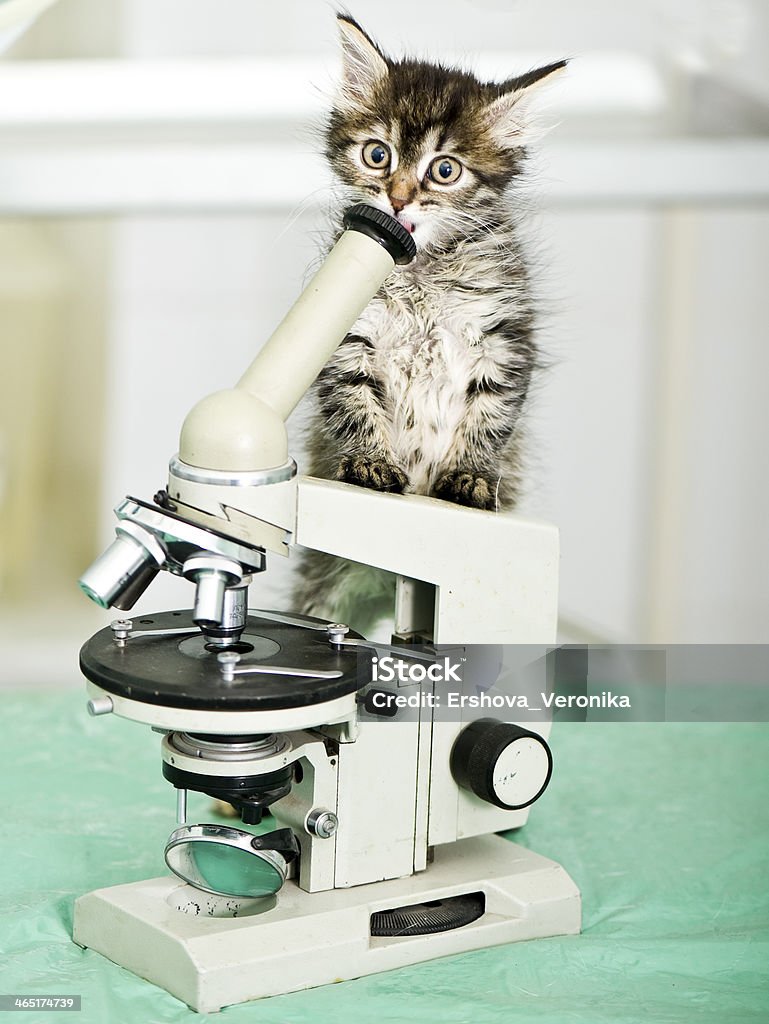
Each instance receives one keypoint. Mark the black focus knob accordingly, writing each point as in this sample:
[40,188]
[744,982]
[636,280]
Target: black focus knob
[501,763]
[384,229]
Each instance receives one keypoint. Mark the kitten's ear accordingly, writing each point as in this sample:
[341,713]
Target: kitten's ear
[363,63]
[506,115]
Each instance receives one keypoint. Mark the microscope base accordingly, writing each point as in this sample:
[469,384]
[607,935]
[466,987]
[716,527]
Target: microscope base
[303,940]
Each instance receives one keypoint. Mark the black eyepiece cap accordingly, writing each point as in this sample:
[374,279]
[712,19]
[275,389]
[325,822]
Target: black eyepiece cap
[384,229]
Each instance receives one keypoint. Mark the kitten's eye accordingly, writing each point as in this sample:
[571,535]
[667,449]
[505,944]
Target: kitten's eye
[445,170]
[376,155]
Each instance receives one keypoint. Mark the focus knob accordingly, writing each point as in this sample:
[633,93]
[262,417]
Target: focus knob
[501,763]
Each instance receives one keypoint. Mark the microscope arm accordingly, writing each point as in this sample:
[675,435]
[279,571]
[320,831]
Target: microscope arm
[513,600]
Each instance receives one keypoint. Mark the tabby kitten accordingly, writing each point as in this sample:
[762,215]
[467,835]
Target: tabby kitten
[425,394]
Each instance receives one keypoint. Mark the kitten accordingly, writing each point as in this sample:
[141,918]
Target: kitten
[425,394]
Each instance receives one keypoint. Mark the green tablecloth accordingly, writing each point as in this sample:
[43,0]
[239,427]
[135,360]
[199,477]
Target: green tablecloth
[664,827]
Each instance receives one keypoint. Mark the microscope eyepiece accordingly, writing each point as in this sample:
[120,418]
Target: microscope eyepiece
[384,229]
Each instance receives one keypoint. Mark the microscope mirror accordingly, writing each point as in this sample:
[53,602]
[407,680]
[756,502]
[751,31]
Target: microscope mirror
[227,861]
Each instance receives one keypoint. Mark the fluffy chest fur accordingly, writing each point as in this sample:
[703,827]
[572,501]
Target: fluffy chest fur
[430,343]
[426,360]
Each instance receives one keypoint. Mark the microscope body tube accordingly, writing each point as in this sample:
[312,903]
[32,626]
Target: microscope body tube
[243,429]
[312,329]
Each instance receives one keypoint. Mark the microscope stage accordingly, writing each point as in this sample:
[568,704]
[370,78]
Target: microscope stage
[181,671]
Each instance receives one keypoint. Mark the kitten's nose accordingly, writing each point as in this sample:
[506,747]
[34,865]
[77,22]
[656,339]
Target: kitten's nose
[398,204]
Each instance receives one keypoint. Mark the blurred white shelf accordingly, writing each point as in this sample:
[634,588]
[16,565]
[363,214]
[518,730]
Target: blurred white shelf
[275,89]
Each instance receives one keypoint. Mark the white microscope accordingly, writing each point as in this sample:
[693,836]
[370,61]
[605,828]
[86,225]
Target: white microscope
[384,852]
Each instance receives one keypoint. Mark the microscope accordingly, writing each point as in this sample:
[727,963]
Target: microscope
[383,851]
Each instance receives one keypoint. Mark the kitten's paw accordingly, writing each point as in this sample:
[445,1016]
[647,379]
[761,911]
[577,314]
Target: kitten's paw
[470,489]
[378,474]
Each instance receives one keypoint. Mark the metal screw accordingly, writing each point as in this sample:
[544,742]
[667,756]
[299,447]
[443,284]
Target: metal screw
[322,823]
[121,630]
[227,662]
[337,631]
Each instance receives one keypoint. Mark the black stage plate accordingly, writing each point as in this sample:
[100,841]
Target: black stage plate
[178,671]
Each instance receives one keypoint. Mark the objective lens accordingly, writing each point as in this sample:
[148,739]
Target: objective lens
[212,574]
[92,595]
[121,575]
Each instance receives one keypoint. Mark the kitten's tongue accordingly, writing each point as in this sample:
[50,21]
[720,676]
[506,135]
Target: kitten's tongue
[407,224]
